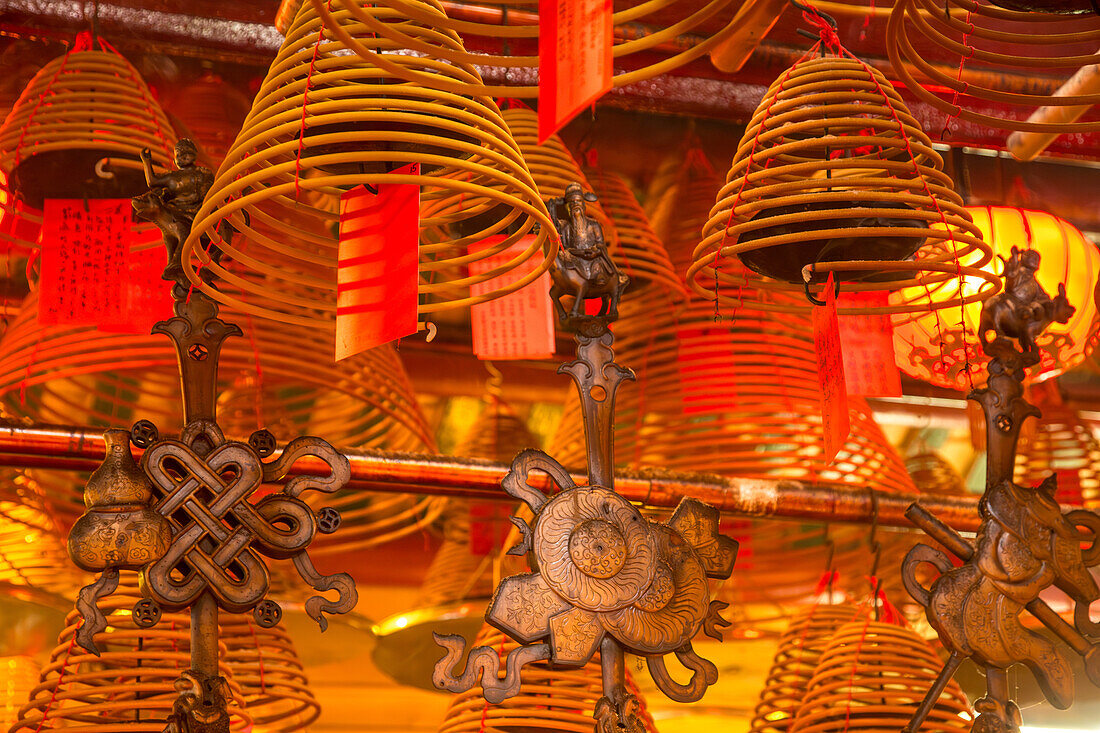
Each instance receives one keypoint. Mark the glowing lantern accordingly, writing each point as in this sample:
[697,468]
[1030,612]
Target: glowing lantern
[935,348]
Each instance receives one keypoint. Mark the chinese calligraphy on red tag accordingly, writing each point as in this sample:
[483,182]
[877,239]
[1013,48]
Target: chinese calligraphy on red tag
[574,59]
[835,421]
[519,325]
[868,348]
[376,275]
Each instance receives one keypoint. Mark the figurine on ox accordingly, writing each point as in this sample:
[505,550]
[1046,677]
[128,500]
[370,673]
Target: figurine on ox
[1023,310]
[173,200]
[583,267]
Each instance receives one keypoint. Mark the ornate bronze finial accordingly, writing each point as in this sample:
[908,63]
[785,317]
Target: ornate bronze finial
[583,267]
[1025,543]
[173,200]
[187,522]
[608,578]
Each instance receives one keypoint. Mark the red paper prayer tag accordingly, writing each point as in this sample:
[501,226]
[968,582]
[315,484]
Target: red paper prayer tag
[519,325]
[376,275]
[574,59]
[868,348]
[835,421]
[83,269]
[147,298]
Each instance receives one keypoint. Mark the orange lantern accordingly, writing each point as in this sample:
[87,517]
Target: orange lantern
[934,346]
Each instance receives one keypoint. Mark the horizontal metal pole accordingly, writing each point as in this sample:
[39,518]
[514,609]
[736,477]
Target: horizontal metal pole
[75,448]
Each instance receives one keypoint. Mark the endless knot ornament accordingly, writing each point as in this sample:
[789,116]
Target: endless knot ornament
[1025,544]
[608,578]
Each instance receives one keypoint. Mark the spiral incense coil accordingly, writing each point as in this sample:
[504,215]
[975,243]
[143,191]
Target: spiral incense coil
[497,434]
[549,699]
[32,552]
[932,474]
[641,255]
[833,174]
[872,676]
[270,378]
[265,664]
[212,111]
[324,122]
[130,686]
[800,649]
[983,36]
[1059,442]
[691,29]
[78,109]
[18,676]
[679,204]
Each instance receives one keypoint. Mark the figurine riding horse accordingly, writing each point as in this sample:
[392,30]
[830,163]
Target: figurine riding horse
[1023,310]
[583,267]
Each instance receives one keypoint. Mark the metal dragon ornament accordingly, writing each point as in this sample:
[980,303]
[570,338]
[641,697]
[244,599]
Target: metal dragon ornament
[607,578]
[187,520]
[1025,543]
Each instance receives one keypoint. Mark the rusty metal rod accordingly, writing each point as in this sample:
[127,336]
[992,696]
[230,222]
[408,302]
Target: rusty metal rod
[75,448]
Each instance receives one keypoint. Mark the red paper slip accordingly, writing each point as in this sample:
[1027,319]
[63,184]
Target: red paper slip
[148,298]
[376,276]
[574,59]
[868,349]
[835,421]
[83,272]
[519,325]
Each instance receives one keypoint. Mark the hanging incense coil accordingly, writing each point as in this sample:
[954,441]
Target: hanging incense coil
[932,474]
[79,109]
[273,683]
[324,122]
[212,110]
[679,203]
[800,649]
[987,37]
[130,687]
[872,676]
[833,175]
[1059,442]
[18,676]
[270,378]
[32,553]
[638,251]
[688,30]
[549,699]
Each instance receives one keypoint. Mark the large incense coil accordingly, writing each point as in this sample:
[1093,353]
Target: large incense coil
[640,253]
[265,664]
[78,109]
[872,676]
[130,686]
[32,553]
[691,29]
[324,122]
[1059,442]
[932,474]
[679,204]
[213,111]
[984,37]
[18,676]
[834,174]
[800,649]
[270,378]
[549,699]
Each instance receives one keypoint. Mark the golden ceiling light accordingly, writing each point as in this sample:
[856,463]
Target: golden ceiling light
[549,699]
[833,175]
[79,109]
[212,110]
[800,648]
[936,349]
[985,37]
[131,686]
[933,474]
[871,677]
[1059,442]
[323,122]
[272,379]
[643,28]
[265,665]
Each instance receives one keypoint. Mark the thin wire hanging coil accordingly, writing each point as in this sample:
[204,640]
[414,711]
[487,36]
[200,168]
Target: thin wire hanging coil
[984,36]
[871,677]
[833,175]
[690,29]
[323,122]
[80,108]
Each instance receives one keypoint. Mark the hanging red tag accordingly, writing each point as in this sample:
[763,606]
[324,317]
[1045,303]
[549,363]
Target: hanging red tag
[83,271]
[147,298]
[835,421]
[519,325]
[868,348]
[574,59]
[376,275]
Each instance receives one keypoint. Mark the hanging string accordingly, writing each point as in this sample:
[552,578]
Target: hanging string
[305,107]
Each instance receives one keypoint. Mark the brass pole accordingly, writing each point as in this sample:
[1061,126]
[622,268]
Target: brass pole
[204,637]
